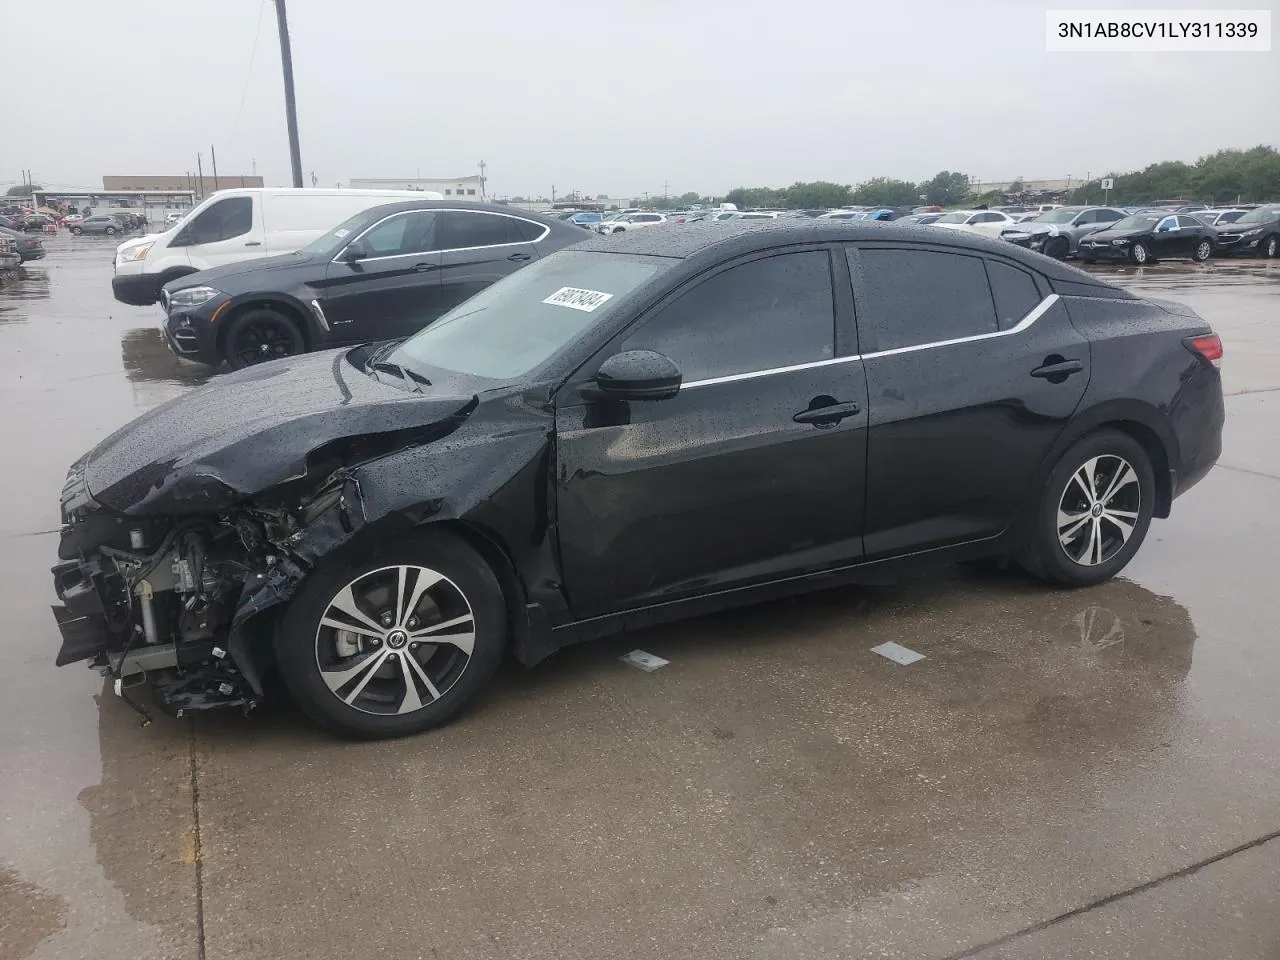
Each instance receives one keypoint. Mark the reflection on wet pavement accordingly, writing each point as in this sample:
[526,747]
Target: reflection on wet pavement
[777,791]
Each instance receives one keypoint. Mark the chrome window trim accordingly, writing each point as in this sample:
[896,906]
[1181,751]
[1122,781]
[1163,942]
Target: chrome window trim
[1025,323]
[423,253]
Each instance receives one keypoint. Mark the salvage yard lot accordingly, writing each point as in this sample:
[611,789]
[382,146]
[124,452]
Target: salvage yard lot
[776,791]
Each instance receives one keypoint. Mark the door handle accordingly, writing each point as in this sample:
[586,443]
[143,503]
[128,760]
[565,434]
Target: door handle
[520,257]
[253,243]
[1058,370]
[423,267]
[827,416]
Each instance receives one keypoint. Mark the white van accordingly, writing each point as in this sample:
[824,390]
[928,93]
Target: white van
[234,225]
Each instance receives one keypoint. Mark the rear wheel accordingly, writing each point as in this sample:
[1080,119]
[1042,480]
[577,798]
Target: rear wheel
[1140,254]
[393,644]
[261,334]
[111,231]
[1094,512]
[1087,260]
[77,231]
[1202,251]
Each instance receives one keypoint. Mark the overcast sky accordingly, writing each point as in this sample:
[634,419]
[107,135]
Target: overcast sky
[609,96]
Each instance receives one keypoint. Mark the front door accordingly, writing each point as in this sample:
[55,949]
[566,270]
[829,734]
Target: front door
[973,370]
[228,231]
[479,249]
[393,289]
[739,478]
[1169,240]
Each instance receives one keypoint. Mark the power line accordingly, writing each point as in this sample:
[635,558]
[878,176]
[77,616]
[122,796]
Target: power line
[244,95]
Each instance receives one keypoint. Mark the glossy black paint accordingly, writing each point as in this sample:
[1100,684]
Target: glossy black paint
[599,514]
[335,299]
[1162,244]
[1252,239]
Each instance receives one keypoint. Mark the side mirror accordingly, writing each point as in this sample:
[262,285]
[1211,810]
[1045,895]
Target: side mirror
[354,251]
[638,375]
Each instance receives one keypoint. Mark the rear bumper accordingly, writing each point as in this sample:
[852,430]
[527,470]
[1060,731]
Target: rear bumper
[136,289]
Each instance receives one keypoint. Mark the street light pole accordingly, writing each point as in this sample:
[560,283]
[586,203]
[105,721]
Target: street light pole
[290,107]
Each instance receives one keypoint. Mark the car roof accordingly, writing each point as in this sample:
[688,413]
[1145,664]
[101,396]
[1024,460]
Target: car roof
[397,206]
[736,237]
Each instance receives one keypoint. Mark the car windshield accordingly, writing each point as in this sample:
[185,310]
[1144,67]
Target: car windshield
[343,232]
[1138,221]
[1058,216]
[521,322]
[954,218]
[1261,215]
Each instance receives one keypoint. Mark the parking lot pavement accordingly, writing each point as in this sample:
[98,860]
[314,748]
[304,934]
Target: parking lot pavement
[1065,774]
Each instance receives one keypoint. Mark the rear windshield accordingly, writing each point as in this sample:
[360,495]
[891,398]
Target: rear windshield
[520,322]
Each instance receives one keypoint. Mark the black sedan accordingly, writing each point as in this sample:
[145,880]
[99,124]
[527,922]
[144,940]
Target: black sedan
[630,431]
[382,275]
[29,246]
[1256,234]
[1144,238]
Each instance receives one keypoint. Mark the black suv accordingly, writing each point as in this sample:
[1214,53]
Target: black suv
[381,275]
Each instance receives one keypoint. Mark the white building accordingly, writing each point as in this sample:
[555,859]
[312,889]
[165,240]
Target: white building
[468,188]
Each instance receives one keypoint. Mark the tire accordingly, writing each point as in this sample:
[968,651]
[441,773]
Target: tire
[1087,260]
[356,685]
[261,334]
[1269,248]
[1140,255]
[1096,542]
[77,231]
[1202,252]
[110,231]
[1057,247]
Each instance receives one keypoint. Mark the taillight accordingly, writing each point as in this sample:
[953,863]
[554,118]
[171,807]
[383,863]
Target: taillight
[1208,348]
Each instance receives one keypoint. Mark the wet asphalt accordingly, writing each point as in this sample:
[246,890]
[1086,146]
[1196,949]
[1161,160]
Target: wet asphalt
[1066,774]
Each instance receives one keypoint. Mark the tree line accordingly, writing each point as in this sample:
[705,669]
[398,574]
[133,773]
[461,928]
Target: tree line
[1228,176]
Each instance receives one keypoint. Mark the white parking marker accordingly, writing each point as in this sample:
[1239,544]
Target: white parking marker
[641,660]
[897,653]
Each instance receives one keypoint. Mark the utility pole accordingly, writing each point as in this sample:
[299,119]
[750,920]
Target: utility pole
[213,158]
[665,188]
[482,178]
[553,193]
[200,177]
[290,107]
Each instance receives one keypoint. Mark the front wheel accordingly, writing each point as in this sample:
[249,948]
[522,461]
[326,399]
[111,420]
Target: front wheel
[259,335]
[1057,247]
[76,231]
[111,231]
[395,643]
[1269,247]
[1094,512]
[1087,260]
[1202,251]
[1140,254]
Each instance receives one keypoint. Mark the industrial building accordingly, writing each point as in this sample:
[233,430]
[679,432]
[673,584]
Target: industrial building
[469,188]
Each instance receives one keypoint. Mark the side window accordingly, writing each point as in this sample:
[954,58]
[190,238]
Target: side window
[1189,221]
[1168,223]
[914,297]
[767,313]
[1014,292]
[226,219]
[989,218]
[531,232]
[1089,216]
[463,230]
[401,235]
[1107,216]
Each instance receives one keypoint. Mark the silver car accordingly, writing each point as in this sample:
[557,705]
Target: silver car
[1057,233]
[99,223]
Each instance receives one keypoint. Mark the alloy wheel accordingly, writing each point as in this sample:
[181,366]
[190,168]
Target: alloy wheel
[1098,510]
[1271,247]
[264,340]
[1203,249]
[395,640]
[1139,254]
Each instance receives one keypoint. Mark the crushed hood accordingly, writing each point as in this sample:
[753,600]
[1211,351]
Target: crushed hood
[244,433]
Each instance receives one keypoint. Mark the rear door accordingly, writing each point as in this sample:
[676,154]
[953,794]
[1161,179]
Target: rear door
[973,368]
[394,290]
[480,248]
[753,471]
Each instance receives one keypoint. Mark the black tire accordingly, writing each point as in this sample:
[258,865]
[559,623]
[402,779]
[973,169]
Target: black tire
[260,334]
[1057,247]
[1269,247]
[1143,258]
[302,640]
[77,230]
[110,231]
[1087,260]
[1203,251]
[1045,554]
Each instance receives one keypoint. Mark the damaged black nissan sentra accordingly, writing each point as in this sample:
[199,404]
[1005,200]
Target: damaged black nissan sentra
[628,431]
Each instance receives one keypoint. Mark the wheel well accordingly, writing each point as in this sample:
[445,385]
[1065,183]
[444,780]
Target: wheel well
[502,566]
[290,311]
[1156,453]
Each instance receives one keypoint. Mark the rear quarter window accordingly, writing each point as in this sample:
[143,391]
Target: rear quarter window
[1014,292]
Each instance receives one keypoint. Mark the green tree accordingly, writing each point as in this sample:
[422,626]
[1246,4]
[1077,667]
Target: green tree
[819,193]
[754,197]
[884,192]
[685,199]
[21,191]
[946,188]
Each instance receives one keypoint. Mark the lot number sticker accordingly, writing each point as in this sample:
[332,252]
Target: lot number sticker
[575,298]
